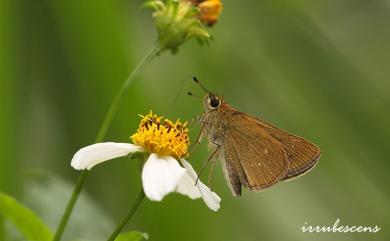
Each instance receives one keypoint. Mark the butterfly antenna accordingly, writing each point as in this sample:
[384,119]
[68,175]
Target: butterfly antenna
[174,101]
[194,95]
[200,84]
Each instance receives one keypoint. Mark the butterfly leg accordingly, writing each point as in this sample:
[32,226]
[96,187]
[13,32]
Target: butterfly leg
[213,154]
[210,172]
[197,118]
[198,139]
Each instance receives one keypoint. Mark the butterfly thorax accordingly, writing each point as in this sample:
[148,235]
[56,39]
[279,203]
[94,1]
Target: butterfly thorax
[214,124]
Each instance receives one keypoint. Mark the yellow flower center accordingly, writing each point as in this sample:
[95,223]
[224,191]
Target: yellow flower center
[158,135]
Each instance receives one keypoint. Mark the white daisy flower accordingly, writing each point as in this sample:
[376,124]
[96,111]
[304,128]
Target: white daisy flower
[165,170]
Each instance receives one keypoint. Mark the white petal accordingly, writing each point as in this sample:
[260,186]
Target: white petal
[211,199]
[186,186]
[89,156]
[160,176]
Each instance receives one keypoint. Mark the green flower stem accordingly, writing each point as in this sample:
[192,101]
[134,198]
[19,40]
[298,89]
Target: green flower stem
[102,134]
[128,215]
[70,205]
[115,104]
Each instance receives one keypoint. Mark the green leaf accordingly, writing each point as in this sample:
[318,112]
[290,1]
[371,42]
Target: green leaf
[132,236]
[25,220]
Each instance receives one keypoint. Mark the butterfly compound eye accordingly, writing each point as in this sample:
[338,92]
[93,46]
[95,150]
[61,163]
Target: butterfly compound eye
[214,103]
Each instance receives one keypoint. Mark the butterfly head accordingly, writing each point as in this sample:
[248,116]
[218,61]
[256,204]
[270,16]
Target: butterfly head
[212,101]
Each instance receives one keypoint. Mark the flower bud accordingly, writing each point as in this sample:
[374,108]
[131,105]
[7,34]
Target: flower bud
[177,21]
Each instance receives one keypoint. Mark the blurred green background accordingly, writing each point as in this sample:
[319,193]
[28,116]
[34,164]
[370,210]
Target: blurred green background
[318,69]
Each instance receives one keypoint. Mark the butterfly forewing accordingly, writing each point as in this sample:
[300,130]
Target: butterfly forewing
[303,155]
[257,159]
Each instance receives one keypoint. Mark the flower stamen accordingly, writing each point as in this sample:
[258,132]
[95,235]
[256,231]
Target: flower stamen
[162,136]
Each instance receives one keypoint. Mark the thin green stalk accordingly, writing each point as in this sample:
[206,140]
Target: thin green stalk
[115,104]
[128,216]
[70,205]
[102,134]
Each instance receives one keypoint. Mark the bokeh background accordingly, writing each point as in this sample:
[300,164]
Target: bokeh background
[318,69]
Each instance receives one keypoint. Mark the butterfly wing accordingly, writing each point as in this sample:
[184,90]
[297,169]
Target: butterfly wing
[302,154]
[253,158]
